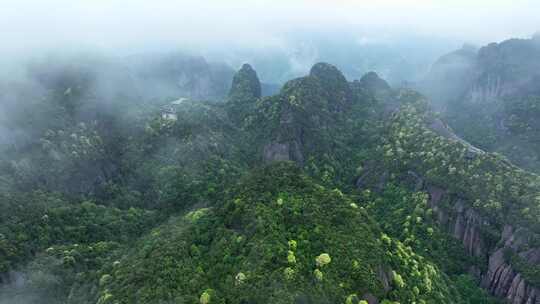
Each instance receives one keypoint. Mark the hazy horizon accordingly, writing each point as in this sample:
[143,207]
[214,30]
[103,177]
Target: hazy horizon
[123,26]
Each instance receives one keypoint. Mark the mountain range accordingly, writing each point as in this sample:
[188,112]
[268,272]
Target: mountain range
[325,191]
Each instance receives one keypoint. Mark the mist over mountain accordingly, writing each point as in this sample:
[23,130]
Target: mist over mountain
[490,96]
[395,56]
[286,152]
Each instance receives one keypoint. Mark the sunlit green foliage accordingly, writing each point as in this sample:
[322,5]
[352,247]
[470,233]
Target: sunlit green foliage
[250,234]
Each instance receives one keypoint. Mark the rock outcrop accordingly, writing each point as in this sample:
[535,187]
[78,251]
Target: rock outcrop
[461,222]
[288,151]
[334,84]
[453,213]
[245,84]
[467,229]
[489,90]
[307,108]
[245,90]
[501,278]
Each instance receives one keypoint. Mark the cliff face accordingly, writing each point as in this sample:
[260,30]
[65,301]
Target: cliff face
[461,222]
[497,70]
[500,278]
[489,91]
[496,273]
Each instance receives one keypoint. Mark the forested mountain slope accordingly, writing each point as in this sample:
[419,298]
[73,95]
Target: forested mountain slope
[329,191]
[491,97]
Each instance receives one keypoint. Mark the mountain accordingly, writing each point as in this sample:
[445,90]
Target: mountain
[490,97]
[245,89]
[278,237]
[328,191]
[450,75]
[173,75]
[74,107]
[396,57]
[83,85]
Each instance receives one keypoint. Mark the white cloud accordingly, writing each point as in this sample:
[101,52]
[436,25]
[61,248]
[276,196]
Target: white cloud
[121,24]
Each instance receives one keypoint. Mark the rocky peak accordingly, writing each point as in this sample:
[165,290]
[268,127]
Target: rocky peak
[308,108]
[373,83]
[302,99]
[245,84]
[334,84]
[323,70]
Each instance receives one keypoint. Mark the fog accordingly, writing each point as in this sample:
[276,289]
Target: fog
[399,39]
[66,64]
[237,31]
[122,46]
[295,34]
[129,25]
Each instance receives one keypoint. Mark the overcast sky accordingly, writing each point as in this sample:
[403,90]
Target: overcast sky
[132,24]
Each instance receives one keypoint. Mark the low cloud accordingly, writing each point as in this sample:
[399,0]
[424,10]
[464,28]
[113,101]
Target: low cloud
[130,25]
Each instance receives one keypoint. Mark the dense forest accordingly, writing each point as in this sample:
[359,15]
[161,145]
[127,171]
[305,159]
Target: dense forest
[181,181]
